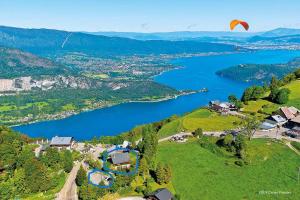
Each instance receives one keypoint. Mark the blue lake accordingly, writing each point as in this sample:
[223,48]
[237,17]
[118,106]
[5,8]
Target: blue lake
[197,72]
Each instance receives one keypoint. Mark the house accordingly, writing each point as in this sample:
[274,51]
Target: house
[121,160]
[287,112]
[222,106]
[62,142]
[161,194]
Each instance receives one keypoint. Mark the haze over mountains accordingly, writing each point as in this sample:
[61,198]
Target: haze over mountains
[186,35]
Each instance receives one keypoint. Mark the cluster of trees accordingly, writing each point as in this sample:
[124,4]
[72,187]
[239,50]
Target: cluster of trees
[235,101]
[253,93]
[21,173]
[163,173]
[277,94]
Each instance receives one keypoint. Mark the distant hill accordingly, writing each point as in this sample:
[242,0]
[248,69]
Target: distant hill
[16,63]
[46,41]
[278,40]
[259,73]
[281,32]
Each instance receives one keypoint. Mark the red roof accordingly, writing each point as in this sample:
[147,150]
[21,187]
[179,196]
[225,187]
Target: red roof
[287,113]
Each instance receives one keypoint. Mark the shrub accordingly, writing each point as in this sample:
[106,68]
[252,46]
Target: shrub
[198,133]
[139,189]
[239,163]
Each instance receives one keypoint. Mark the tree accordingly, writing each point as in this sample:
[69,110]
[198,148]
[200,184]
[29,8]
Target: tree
[51,158]
[250,125]
[26,154]
[240,146]
[148,147]
[68,161]
[143,168]
[168,173]
[280,96]
[163,173]
[253,93]
[36,177]
[297,73]
[81,176]
[198,133]
[228,139]
[232,98]
[19,181]
[289,78]
[275,83]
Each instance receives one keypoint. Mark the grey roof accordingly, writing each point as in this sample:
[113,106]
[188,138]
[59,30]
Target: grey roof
[163,194]
[120,158]
[278,118]
[61,140]
[267,125]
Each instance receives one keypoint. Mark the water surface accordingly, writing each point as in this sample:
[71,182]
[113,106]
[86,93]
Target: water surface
[198,72]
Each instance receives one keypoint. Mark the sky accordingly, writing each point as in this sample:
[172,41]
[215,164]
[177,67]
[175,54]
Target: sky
[149,15]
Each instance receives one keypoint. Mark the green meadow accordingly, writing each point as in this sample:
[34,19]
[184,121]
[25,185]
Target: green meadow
[200,174]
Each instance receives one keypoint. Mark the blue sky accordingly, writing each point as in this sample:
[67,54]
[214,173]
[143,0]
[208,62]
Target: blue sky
[149,15]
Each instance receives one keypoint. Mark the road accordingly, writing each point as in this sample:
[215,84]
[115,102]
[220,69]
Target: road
[69,191]
[275,134]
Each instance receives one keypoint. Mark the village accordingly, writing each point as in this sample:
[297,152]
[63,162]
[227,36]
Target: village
[123,159]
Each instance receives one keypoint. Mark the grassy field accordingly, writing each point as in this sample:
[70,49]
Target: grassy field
[294,99]
[200,174]
[201,118]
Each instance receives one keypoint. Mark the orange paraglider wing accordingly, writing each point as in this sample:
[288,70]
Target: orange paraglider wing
[236,22]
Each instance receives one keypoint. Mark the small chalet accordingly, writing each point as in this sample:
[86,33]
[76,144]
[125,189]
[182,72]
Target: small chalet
[121,160]
[62,142]
[161,194]
[222,107]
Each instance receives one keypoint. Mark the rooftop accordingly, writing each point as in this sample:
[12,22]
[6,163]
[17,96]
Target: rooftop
[163,194]
[61,140]
[287,112]
[120,158]
[296,119]
[278,118]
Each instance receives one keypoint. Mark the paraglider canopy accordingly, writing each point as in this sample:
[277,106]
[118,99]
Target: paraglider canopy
[236,22]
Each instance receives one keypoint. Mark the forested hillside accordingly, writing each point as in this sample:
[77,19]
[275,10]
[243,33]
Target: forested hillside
[22,174]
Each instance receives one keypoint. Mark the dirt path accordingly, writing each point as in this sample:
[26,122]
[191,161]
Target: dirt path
[69,191]
[292,148]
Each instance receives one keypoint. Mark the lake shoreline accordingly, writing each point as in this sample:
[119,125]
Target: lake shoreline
[65,115]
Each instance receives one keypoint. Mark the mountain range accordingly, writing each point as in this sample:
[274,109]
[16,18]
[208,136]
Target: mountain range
[187,35]
[46,41]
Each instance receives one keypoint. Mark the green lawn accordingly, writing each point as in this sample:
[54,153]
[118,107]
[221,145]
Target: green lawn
[294,99]
[201,118]
[200,174]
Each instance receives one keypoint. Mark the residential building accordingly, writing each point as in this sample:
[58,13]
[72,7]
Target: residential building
[121,160]
[62,142]
[161,194]
[222,107]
